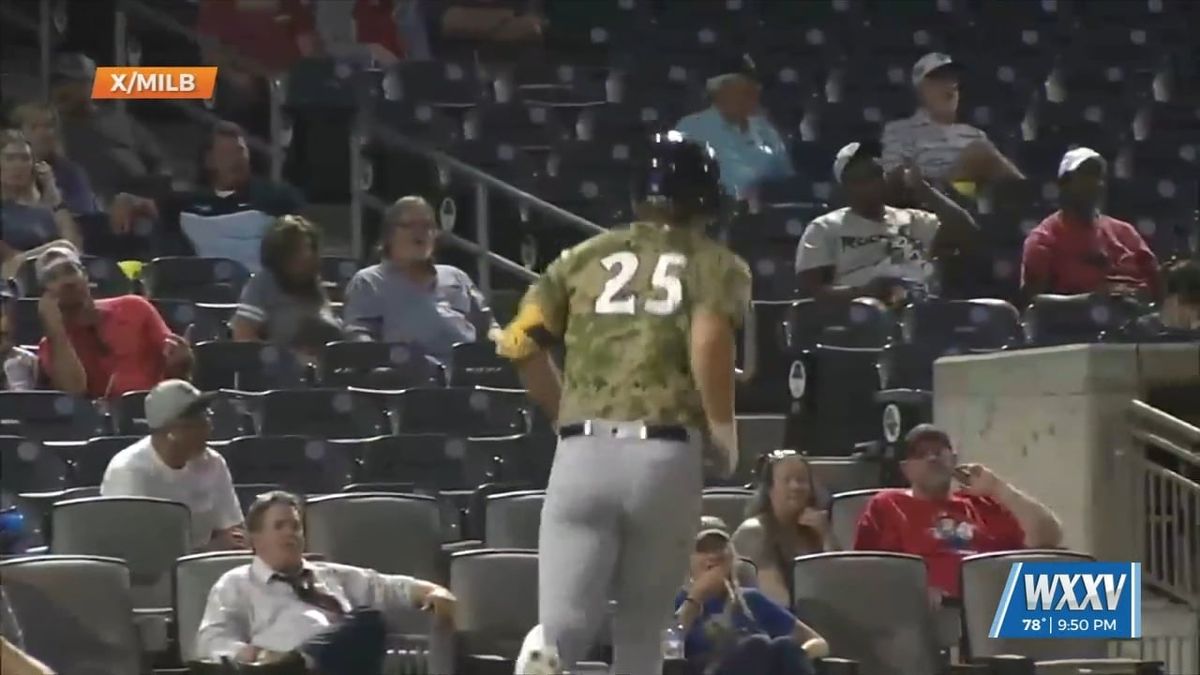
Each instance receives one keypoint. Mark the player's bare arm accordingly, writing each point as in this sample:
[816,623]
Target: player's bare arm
[712,361]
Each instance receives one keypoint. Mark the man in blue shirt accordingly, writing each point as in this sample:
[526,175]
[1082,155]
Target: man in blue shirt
[748,147]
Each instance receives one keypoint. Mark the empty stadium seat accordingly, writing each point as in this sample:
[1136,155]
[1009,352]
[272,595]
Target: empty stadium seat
[345,528]
[49,415]
[379,365]
[129,413]
[513,519]
[728,504]
[27,466]
[88,460]
[194,577]
[429,461]
[245,366]
[936,328]
[871,607]
[497,602]
[844,512]
[76,612]
[765,392]
[301,465]
[461,411]
[477,364]
[525,126]
[443,84]
[198,279]
[320,413]
[522,458]
[336,272]
[1066,319]
[148,534]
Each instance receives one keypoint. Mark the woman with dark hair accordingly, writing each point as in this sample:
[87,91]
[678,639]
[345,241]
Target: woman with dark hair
[785,520]
[284,301]
[32,211]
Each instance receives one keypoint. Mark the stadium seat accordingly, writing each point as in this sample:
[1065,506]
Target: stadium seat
[461,411]
[248,492]
[428,461]
[620,122]
[76,612]
[26,465]
[148,534]
[525,126]
[336,273]
[105,278]
[245,366]
[983,580]
[871,607]
[1068,319]
[539,82]
[773,267]
[129,414]
[179,314]
[936,328]
[476,364]
[728,504]
[301,465]
[345,528]
[497,603]
[442,84]
[194,577]
[379,365]
[513,518]
[834,405]
[213,280]
[26,324]
[88,460]
[35,507]
[522,458]
[49,415]
[766,390]
[844,511]
[320,413]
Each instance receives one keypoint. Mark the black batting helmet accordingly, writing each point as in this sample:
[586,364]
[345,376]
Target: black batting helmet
[680,173]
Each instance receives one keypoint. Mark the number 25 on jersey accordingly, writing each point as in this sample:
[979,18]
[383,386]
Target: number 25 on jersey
[667,293]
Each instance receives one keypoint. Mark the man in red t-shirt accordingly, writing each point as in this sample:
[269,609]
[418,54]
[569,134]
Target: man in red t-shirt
[101,348]
[1078,249]
[943,527]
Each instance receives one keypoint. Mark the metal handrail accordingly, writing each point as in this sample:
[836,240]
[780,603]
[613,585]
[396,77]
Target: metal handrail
[1162,443]
[1145,412]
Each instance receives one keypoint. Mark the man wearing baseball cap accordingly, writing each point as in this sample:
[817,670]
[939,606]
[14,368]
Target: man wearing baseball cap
[100,348]
[1079,249]
[944,149]
[749,149]
[174,462]
[869,248]
[943,526]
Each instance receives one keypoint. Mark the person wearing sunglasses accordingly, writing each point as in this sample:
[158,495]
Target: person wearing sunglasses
[784,520]
[731,630]
[942,525]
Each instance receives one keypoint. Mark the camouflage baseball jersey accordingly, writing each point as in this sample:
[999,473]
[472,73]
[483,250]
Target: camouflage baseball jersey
[623,302]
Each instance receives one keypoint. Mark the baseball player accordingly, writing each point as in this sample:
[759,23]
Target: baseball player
[648,315]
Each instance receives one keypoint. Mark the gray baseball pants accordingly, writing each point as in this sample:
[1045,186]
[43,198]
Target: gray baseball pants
[619,520]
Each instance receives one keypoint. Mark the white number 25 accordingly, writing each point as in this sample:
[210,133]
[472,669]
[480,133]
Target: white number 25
[623,265]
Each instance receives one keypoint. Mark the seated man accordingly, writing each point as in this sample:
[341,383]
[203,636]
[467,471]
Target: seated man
[944,149]
[1078,249]
[748,147]
[282,607]
[406,297]
[174,462]
[943,527]
[870,249]
[101,348]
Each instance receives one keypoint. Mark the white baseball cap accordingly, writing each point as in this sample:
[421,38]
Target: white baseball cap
[54,256]
[1075,157]
[929,63]
[850,152]
[170,400]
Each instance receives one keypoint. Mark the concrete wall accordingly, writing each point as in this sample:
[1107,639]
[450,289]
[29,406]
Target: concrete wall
[1052,421]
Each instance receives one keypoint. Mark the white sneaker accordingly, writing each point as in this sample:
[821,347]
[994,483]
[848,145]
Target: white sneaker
[536,657]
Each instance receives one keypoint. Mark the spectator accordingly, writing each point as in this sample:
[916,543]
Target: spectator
[287,290]
[19,371]
[384,32]
[117,153]
[944,149]
[1178,316]
[869,248]
[227,218]
[732,630]
[39,122]
[101,348]
[748,147]
[175,463]
[32,212]
[1078,249]
[280,606]
[406,297]
[497,21]
[943,527]
[785,521]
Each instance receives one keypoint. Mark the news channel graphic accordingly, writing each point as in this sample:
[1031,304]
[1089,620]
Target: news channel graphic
[1070,600]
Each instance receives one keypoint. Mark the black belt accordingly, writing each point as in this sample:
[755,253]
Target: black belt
[655,432]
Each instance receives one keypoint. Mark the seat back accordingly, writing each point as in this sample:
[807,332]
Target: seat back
[245,366]
[320,413]
[871,607]
[728,504]
[88,460]
[497,593]
[844,512]
[148,534]
[513,519]
[27,466]
[345,529]
[983,580]
[49,415]
[194,278]
[1067,319]
[477,364]
[379,365]
[76,613]
[298,463]
[462,411]
[194,577]
[428,461]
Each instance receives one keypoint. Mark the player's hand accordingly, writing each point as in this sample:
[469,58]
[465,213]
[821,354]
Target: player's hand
[724,437]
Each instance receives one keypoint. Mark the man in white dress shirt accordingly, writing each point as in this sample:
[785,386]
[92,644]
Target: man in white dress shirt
[174,462]
[282,608]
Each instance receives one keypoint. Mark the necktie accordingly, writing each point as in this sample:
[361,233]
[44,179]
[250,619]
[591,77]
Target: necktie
[306,589]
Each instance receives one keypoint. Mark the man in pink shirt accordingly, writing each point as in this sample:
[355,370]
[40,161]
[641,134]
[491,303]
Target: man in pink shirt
[1078,249]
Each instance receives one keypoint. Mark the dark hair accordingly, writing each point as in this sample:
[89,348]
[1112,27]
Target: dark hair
[220,129]
[760,503]
[284,235]
[1183,279]
[263,503]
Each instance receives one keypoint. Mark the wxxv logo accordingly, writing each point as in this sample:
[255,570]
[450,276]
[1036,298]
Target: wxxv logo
[1100,600]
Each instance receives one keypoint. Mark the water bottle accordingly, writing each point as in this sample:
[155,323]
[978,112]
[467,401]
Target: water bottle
[672,644]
